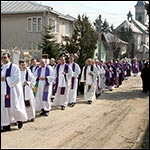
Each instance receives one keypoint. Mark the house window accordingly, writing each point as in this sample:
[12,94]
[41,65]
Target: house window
[34,24]
[29,24]
[52,22]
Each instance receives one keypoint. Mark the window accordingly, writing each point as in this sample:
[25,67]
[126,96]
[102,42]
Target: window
[29,24]
[34,24]
[62,29]
[52,22]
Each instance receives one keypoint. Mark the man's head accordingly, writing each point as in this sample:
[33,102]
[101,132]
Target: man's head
[62,60]
[33,62]
[23,65]
[43,62]
[5,58]
[72,58]
[89,61]
[52,61]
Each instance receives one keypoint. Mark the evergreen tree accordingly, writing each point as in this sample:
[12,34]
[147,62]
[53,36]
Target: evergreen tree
[105,26]
[49,45]
[83,41]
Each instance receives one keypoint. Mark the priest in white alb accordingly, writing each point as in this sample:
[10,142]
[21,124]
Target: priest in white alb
[73,85]
[44,79]
[89,78]
[28,82]
[12,102]
[63,73]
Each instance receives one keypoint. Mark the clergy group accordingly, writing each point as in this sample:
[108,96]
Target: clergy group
[31,90]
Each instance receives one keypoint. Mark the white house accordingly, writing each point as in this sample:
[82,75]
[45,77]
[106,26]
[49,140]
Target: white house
[22,24]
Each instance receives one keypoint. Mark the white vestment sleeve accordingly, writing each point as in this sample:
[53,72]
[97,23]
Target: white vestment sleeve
[77,71]
[69,74]
[51,77]
[82,75]
[15,76]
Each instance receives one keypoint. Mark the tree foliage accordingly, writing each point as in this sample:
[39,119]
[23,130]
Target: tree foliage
[49,45]
[83,41]
[102,26]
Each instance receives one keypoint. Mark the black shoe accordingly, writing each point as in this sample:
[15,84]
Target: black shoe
[89,102]
[20,124]
[46,114]
[52,99]
[43,112]
[96,95]
[32,120]
[62,107]
[69,104]
[72,105]
[5,128]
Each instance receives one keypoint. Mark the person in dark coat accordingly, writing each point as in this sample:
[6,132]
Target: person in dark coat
[145,77]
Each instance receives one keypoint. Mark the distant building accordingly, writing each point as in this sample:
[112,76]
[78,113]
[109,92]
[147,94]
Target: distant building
[140,30]
[109,45]
[22,24]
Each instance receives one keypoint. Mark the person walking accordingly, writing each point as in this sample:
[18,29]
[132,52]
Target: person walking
[89,78]
[63,74]
[12,101]
[28,82]
[72,91]
[44,79]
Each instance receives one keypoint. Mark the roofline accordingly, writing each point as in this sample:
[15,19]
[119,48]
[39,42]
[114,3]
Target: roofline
[46,9]
[25,12]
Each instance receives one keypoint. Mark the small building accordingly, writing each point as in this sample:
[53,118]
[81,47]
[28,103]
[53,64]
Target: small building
[22,23]
[111,47]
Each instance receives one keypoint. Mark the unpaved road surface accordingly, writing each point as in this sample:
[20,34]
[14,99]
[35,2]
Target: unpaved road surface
[116,120]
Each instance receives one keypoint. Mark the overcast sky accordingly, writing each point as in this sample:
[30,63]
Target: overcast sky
[115,12]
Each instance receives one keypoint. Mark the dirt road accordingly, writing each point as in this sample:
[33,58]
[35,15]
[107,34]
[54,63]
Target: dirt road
[116,120]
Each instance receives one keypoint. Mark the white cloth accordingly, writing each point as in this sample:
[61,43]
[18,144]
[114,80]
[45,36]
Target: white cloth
[72,93]
[90,81]
[62,99]
[28,93]
[17,110]
[103,77]
[40,104]
[98,83]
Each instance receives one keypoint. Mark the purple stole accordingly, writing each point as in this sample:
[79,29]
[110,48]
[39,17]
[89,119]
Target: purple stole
[73,78]
[98,80]
[62,91]
[7,96]
[85,69]
[27,102]
[46,86]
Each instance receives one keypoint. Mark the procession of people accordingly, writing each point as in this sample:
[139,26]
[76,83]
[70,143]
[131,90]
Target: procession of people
[33,90]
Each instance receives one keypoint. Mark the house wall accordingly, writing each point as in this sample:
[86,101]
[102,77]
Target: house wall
[14,30]
[139,38]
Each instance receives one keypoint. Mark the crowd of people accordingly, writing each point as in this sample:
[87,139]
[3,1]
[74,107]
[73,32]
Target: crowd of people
[32,90]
